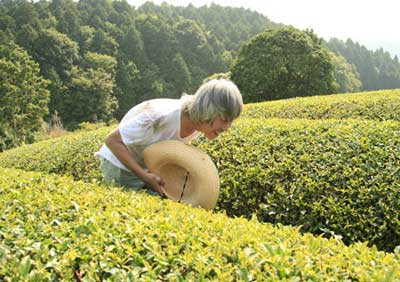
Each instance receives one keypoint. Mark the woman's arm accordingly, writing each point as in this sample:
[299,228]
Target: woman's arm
[119,149]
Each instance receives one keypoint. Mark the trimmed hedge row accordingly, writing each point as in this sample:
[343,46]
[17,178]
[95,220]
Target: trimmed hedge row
[71,155]
[53,229]
[332,177]
[374,105]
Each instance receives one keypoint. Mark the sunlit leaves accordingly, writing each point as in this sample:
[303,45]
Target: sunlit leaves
[374,105]
[53,228]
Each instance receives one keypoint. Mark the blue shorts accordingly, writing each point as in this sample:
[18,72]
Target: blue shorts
[126,179]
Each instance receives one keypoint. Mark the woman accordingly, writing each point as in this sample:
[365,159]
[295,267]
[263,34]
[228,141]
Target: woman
[210,111]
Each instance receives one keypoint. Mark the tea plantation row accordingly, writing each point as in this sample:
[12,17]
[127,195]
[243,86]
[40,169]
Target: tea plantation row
[72,155]
[55,229]
[331,176]
[374,105]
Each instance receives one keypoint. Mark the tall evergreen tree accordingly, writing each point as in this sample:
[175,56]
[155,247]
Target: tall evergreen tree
[126,88]
[377,69]
[23,97]
[68,18]
[89,96]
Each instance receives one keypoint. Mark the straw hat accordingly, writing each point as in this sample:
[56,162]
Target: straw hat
[189,174]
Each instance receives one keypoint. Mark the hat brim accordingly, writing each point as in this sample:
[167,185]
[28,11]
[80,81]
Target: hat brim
[189,174]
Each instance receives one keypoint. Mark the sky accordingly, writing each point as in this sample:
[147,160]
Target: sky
[372,23]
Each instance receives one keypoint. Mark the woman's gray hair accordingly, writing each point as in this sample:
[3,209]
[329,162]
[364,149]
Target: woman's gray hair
[217,97]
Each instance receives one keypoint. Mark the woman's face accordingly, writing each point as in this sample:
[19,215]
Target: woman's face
[213,129]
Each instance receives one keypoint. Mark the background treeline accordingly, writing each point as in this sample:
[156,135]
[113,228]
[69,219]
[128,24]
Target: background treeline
[102,57]
[376,69]
[92,60]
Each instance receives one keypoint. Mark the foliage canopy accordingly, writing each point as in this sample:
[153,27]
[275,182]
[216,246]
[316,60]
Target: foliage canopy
[283,63]
[23,96]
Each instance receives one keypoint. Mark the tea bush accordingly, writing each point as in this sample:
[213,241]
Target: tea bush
[55,229]
[330,176]
[375,105]
[68,155]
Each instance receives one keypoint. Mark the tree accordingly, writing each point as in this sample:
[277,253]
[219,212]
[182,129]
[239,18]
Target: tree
[89,96]
[126,92]
[150,85]
[195,50]
[158,42]
[377,69]
[132,47]
[389,70]
[220,75]
[283,63]
[179,76]
[67,14]
[26,37]
[95,13]
[123,14]
[85,38]
[23,97]
[226,59]
[56,54]
[6,22]
[346,75]
[23,12]
[61,52]
[130,56]
[103,43]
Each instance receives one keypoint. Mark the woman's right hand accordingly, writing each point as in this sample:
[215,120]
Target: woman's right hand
[155,182]
[119,149]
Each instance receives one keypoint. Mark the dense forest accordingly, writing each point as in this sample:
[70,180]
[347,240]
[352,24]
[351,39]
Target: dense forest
[92,60]
[377,69]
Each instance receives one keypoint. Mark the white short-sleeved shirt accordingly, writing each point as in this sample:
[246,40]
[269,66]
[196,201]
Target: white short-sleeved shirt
[147,123]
